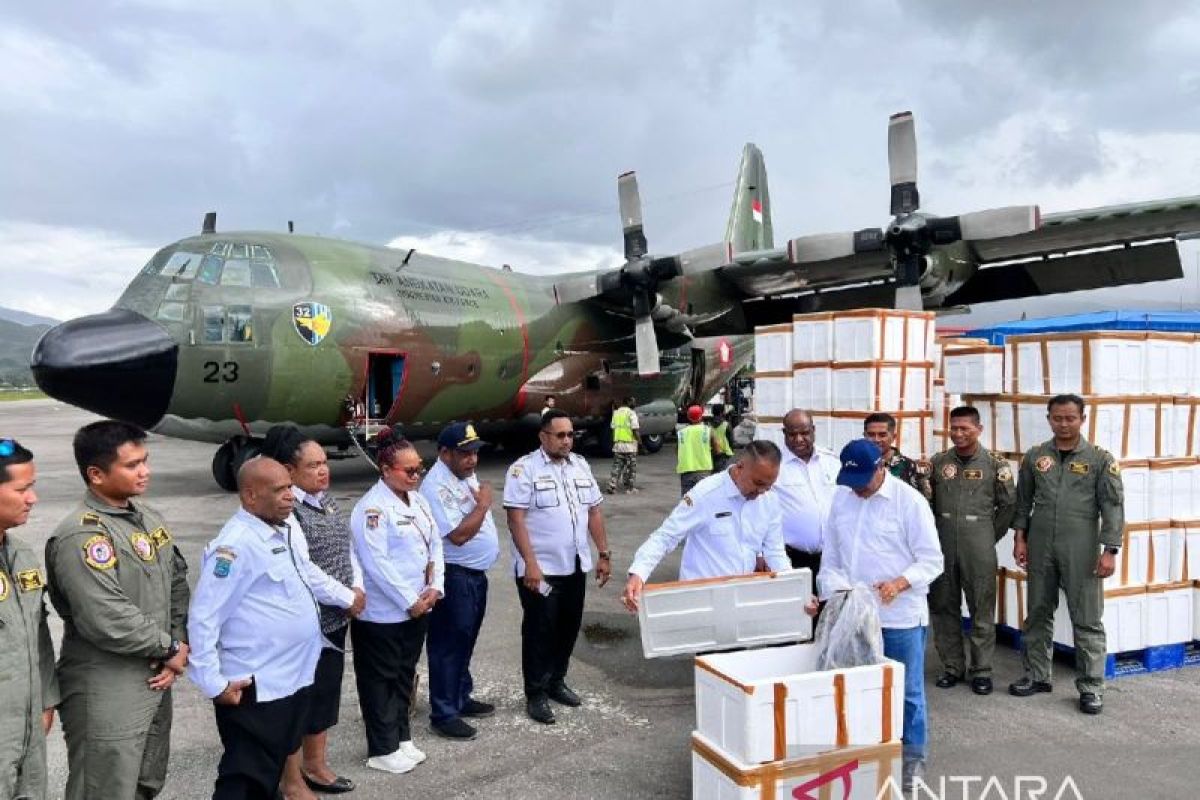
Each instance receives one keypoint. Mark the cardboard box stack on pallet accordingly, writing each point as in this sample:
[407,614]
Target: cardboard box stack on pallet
[843,365]
[1142,391]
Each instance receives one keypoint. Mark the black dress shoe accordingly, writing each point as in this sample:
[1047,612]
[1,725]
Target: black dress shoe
[454,729]
[981,685]
[1027,686]
[948,681]
[477,708]
[338,785]
[561,693]
[1090,703]
[538,709]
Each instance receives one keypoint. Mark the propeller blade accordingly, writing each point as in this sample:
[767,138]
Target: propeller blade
[827,246]
[631,216]
[902,163]
[996,223]
[647,346]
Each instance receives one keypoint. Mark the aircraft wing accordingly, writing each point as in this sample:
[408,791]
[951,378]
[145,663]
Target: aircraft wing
[772,272]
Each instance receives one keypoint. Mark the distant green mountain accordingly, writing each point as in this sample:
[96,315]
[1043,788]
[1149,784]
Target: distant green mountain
[16,343]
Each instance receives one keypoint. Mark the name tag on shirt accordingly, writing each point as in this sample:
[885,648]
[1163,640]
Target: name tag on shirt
[277,550]
[1079,468]
[721,514]
[973,474]
[544,485]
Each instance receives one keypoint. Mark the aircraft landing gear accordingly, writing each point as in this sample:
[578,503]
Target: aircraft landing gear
[229,459]
[653,442]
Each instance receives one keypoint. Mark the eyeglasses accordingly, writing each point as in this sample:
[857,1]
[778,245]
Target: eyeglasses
[560,434]
[413,472]
[7,447]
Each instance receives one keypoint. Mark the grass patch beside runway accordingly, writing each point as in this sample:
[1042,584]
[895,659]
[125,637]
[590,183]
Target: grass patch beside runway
[8,395]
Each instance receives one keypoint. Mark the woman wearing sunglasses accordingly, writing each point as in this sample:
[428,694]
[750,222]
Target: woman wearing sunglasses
[400,550]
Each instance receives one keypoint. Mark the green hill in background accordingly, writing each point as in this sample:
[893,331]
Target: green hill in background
[16,343]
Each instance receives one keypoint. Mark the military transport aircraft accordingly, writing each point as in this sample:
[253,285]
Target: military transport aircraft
[224,334]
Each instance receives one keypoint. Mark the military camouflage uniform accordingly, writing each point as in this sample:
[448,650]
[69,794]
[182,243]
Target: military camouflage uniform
[973,503]
[623,473]
[28,684]
[1058,501]
[907,470]
[120,585]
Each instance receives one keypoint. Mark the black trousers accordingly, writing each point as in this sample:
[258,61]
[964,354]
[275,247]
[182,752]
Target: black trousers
[454,627]
[802,558]
[549,629]
[258,738]
[327,684]
[385,669]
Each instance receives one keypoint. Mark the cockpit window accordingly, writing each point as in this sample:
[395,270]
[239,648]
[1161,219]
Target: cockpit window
[171,312]
[237,272]
[210,270]
[182,265]
[263,274]
[239,264]
[240,321]
[178,292]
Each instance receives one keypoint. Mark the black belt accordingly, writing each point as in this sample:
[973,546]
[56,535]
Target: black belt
[468,570]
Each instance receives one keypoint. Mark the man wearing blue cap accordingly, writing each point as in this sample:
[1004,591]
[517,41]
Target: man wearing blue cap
[880,533]
[462,509]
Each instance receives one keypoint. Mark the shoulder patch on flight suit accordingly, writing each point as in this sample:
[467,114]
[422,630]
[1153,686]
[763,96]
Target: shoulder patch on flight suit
[1004,473]
[949,472]
[160,537]
[973,474]
[30,579]
[373,515]
[1079,468]
[1114,468]
[98,552]
[143,547]
[1044,463]
[4,590]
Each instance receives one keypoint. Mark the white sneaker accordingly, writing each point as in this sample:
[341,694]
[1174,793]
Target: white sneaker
[410,751]
[395,762]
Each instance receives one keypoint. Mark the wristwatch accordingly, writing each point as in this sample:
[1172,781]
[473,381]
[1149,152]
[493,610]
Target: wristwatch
[173,650]
[605,554]
[1112,549]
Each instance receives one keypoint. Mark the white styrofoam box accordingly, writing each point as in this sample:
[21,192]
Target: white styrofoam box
[1004,552]
[1174,430]
[710,614]
[769,429]
[1004,427]
[1135,475]
[770,704]
[914,431]
[1168,365]
[1169,614]
[1176,560]
[1128,427]
[1011,594]
[1091,362]
[1191,549]
[773,393]
[974,370]
[875,334]
[1173,482]
[1126,621]
[1133,560]
[812,386]
[868,386]
[1158,563]
[773,348]
[812,337]
[1195,609]
[844,427]
[855,773]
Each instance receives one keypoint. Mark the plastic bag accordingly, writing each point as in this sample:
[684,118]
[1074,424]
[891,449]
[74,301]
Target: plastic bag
[848,630]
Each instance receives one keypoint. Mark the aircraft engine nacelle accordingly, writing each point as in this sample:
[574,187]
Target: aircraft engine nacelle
[944,272]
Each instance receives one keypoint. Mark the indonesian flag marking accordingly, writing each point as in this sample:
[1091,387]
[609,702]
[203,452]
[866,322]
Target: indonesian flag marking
[756,210]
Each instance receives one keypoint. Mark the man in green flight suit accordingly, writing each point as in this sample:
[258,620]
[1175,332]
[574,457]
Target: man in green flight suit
[120,585]
[694,460]
[1065,484]
[973,503]
[30,687]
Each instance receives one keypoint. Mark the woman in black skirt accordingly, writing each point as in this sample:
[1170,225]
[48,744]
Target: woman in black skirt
[326,534]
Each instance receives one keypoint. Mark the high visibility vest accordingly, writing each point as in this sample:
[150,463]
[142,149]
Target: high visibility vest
[695,449]
[622,426]
[721,432]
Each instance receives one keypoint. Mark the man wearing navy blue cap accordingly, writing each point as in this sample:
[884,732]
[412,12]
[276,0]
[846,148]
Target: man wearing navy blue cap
[880,533]
[462,509]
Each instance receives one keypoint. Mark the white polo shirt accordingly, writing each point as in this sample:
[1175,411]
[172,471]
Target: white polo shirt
[805,490]
[451,500]
[722,530]
[891,533]
[556,496]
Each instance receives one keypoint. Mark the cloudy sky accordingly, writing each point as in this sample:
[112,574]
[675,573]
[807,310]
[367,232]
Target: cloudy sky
[495,130]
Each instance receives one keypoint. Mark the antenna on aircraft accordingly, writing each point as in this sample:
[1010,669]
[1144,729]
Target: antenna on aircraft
[291,226]
[210,223]
[407,257]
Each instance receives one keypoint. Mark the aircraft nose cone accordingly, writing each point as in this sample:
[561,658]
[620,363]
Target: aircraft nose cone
[118,364]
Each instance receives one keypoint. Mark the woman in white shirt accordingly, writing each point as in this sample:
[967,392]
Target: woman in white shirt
[398,545]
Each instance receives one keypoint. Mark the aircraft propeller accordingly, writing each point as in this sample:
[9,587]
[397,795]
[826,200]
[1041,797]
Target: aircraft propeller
[911,235]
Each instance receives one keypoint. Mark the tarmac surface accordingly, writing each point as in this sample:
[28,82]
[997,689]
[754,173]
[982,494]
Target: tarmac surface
[630,740]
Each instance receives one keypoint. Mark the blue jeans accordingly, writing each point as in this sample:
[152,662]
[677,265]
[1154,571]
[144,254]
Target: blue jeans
[907,645]
[453,628]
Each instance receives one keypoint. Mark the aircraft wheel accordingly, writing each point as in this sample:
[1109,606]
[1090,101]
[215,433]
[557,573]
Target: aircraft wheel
[653,442]
[229,459]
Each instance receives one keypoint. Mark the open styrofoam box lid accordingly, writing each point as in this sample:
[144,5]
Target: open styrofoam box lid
[711,614]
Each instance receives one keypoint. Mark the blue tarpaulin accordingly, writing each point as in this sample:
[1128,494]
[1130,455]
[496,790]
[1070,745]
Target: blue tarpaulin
[1187,321]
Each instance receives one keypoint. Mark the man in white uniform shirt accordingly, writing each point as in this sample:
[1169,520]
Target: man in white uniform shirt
[880,533]
[807,481]
[462,509]
[727,520]
[553,506]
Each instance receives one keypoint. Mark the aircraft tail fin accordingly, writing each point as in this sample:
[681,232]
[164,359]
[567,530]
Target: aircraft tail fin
[749,226]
